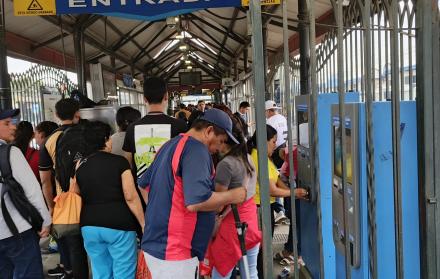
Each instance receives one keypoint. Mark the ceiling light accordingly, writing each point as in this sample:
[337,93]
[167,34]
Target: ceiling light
[187,61]
[189,67]
[183,47]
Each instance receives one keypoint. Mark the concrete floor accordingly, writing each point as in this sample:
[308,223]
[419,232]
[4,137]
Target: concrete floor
[280,237]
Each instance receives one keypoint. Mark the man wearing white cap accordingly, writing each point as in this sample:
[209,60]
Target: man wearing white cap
[279,123]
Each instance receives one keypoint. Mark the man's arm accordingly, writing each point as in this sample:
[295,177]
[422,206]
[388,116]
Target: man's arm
[47,187]
[218,199]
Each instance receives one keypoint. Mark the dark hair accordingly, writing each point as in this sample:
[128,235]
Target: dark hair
[125,116]
[239,150]
[155,89]
[182,106]
[96,134]
[181,115]
[66,108]
[46,127]
[200,124]
[23,135]
[200,101]
[244,104]
[252,142]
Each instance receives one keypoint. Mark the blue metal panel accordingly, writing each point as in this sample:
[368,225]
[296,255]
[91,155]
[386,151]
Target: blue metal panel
[384,194]
[308,211]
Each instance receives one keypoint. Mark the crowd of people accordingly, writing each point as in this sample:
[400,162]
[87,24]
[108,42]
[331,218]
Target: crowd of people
[161,185]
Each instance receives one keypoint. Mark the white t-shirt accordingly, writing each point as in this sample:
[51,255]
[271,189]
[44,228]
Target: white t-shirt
[279,122]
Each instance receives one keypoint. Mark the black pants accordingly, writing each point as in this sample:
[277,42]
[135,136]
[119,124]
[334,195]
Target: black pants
[77,255]
[288,246]
[260,253]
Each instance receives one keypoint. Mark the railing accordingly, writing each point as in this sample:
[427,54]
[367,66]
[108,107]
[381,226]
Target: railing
[27,90]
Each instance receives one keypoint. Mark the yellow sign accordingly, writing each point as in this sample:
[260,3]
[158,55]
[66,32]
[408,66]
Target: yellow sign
[263,2]
[34,7]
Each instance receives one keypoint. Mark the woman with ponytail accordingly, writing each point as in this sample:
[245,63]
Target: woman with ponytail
[236,169]
[277,188]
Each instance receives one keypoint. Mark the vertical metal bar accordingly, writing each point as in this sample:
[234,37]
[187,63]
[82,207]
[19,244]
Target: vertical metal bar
[289,107]
[379,36]
[427,73]
[387,63]
[259,89]
[304,47]
[371,186]
[341,94]
[357,60]
[402,61]
[5,87]
[395,107]
[314,113]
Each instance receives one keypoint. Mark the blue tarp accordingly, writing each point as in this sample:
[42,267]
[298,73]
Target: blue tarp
[149,10]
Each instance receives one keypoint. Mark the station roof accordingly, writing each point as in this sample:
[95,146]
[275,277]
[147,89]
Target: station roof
[215,39]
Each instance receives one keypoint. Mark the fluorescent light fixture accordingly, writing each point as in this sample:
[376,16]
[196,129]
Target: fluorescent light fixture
[189,67]
[183,47]
[198,42]
[210,66]
[162,49]
[187,61]
[170,45]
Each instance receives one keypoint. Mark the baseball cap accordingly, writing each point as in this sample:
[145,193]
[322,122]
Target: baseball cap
[220,119]
[271,105]
[9,113]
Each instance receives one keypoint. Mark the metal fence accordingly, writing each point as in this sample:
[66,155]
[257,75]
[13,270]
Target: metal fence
[28,88]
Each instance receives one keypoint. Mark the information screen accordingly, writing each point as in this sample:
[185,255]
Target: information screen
[190,78]
[337,151]
[303,128]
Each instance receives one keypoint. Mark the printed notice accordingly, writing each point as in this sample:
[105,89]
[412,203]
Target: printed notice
[34,7]
[263,2]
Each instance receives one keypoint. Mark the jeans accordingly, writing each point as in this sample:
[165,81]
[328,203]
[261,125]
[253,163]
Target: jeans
[252,255]
[113,253]
[20,257]
[77,256]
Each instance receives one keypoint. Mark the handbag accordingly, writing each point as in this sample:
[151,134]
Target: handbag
[66,213]
[142,271]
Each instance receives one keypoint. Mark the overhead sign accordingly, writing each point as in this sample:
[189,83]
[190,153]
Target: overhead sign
[263,2]
[138,9]
[34,7]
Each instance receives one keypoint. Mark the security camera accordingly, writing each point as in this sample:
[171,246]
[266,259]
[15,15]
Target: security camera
[172,21]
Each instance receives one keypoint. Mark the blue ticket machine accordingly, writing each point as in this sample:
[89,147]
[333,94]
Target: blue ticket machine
[309,231]
[356,185]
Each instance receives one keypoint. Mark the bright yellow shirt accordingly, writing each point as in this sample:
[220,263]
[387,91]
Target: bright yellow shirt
[273,175]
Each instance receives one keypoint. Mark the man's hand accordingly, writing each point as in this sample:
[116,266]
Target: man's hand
[45,230]
[238,195]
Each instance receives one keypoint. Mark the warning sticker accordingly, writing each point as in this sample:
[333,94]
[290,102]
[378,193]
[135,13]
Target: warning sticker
[263,2]
[34,7]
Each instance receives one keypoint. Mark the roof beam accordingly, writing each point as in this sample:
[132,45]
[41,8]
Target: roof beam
[280,24]
[124,39]
[219,45]
[225,38]
[144,49]
[222,60]
[163,57]
[51,40]
[233,36]
[90,40]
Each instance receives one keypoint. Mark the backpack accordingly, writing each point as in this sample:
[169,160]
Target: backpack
[16,194]
[70,148]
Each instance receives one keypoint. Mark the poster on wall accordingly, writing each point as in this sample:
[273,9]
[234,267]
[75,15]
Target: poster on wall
[51,96]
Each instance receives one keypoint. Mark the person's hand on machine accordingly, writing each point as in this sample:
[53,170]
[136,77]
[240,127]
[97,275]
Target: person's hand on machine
[301,193]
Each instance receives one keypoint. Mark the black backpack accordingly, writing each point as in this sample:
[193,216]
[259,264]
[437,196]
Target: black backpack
[16,194]
[70,148]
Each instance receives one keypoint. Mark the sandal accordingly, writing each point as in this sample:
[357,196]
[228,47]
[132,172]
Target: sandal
[287,261]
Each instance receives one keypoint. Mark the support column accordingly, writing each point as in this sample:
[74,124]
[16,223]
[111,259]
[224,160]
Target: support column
[268,95]
[78,41]
[235,70]
[5,87]
[303,15]
[245,59]
[428,125]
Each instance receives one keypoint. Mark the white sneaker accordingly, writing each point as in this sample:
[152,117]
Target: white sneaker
[280,217]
